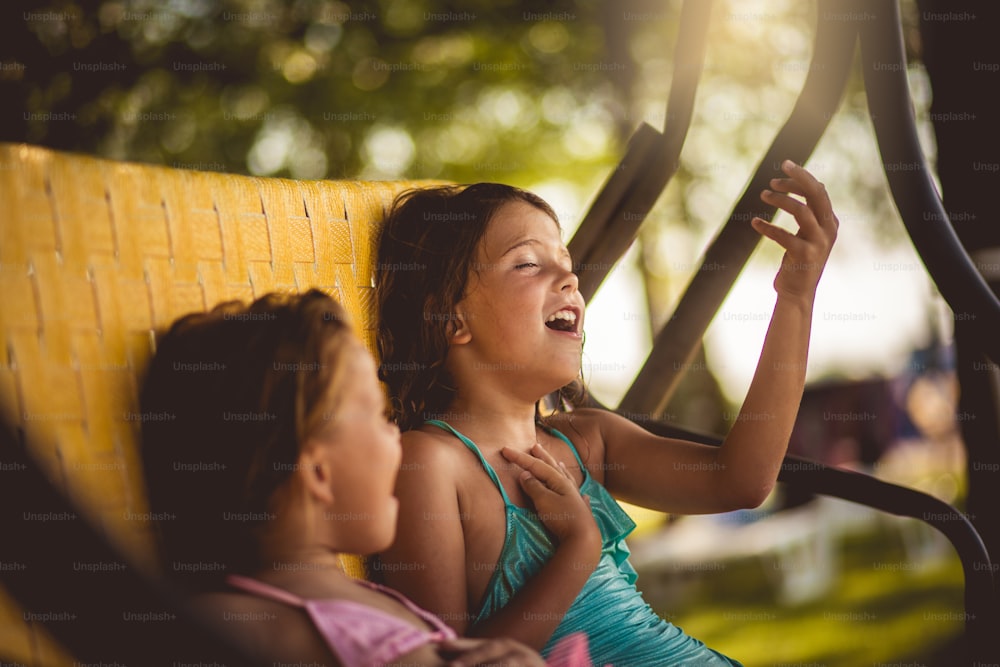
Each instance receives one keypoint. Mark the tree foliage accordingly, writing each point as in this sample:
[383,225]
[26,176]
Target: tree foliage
[314,88]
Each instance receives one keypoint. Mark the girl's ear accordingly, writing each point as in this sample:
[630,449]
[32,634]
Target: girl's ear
[313,469]
[458,329]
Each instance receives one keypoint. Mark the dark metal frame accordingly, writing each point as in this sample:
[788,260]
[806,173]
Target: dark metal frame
[981,619]
[650,161]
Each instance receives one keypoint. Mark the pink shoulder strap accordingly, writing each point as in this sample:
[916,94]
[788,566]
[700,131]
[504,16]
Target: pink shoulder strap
[435,622]
[264,590]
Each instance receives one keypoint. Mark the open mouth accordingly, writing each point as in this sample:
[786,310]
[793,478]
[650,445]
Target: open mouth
[564,320]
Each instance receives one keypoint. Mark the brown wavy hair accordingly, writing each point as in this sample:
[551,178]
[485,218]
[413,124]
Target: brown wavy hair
[226,402]
[426,252]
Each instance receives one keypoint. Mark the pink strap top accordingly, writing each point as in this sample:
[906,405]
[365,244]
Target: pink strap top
[359,635]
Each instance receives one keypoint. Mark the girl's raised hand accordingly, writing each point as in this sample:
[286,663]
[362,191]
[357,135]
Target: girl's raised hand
[807,251]
[555,494]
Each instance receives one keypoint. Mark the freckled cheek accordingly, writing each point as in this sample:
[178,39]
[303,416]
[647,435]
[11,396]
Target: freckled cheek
[511,325]
[503,314]
[521,312]
[495,317]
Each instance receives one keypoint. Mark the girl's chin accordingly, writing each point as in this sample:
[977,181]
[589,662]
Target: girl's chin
[562,380]
[381,530]
[380,542]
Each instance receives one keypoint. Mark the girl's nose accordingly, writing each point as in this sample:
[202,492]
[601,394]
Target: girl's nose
[569,281]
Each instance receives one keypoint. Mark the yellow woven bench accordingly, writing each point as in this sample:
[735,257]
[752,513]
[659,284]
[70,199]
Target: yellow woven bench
[95,256]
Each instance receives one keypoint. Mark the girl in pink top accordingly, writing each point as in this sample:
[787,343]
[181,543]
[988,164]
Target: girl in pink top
[270,454]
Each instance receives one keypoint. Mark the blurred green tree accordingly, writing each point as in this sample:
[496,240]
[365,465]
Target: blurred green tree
[315,88]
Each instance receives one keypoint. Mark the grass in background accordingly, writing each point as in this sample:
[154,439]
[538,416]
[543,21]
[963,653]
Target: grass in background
[882,609]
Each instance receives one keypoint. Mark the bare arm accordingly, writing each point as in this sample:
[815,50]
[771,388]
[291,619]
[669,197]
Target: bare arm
[426,562]
[684,477]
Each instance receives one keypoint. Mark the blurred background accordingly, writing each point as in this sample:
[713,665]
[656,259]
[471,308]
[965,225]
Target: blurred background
[546,98]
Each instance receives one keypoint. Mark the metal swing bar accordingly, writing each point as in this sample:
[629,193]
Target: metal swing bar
[917,200]
[726,255]
[650,161]
[981,608]
[909,176]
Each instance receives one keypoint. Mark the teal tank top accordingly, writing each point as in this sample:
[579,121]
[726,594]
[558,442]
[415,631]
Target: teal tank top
[621,628]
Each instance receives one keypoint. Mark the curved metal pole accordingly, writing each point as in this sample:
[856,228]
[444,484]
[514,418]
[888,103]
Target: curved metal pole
[606,216]
[980,603]
[651,160]
[689,62]
[951,268]
[728,253]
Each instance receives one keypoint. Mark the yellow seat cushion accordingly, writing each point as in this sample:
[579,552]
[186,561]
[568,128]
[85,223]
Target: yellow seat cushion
[97,255]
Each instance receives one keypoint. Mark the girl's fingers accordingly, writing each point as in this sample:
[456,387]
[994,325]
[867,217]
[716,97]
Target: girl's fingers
[458,644]
[784,202]
[787,185]
[532,485]
[543,454]
[780,236]
[522,459]
[814,192]
[801,211]
[538,451]
[807,250]
[549,475]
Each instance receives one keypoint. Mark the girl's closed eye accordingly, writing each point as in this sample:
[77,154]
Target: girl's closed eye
[526,265]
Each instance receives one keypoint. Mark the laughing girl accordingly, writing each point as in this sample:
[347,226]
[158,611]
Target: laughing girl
[508,524]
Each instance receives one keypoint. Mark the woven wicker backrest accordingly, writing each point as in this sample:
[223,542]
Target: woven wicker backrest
[96,255]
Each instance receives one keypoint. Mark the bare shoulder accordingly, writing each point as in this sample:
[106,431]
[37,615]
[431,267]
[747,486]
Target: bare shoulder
[583,427]
[221,608]
[600,421]
[264,627]
[434,469]
[435,453]
[429,547]
[428,441]
[585,422]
